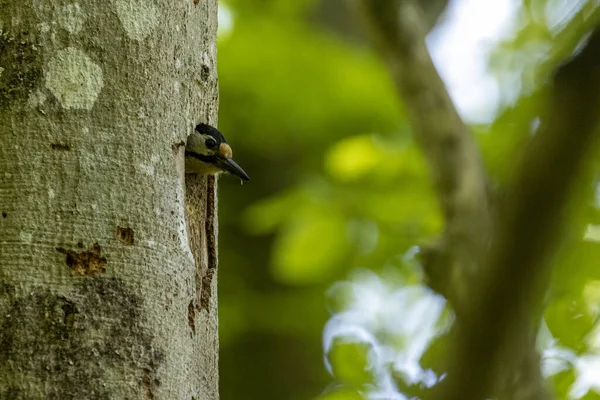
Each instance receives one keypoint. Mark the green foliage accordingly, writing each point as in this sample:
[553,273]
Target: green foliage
[286,87]
[338,184]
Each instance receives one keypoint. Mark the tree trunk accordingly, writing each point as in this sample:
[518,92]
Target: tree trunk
[100,294]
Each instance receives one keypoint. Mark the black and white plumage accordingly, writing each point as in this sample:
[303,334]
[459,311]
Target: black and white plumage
[207,152]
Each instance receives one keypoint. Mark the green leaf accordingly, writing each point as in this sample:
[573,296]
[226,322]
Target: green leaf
[352,158]
[350,362]
[569,321]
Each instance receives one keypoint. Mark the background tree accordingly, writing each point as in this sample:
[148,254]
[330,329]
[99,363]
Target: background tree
[494,276]
[99,293]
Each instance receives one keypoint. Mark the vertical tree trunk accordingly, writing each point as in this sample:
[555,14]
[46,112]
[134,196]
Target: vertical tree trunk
[100,296]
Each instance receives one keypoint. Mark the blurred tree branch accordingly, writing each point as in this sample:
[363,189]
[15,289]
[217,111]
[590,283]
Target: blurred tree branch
[450,150]
[496,294]
[513,289]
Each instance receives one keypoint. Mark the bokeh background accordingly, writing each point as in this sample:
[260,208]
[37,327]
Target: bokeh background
[321,295]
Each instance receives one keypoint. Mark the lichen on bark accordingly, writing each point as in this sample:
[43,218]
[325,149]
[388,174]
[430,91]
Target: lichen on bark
[46,336]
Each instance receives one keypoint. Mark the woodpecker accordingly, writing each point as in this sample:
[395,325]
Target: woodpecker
[207,152]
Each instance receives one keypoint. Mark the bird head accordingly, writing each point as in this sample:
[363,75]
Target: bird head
[207,152]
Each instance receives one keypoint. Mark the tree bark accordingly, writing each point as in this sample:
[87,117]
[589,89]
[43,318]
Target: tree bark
[103,284]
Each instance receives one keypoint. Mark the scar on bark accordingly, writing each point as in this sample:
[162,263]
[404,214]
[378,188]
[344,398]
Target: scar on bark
[60,147]
[204,73]
[192,316]
[69,310]
[211,244]
[125,235]
[149,383]
[87,262]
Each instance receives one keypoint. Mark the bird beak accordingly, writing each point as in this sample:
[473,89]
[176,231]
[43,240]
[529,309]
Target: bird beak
[227,164]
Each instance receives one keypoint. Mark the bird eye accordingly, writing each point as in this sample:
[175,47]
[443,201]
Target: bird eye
[210,143]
